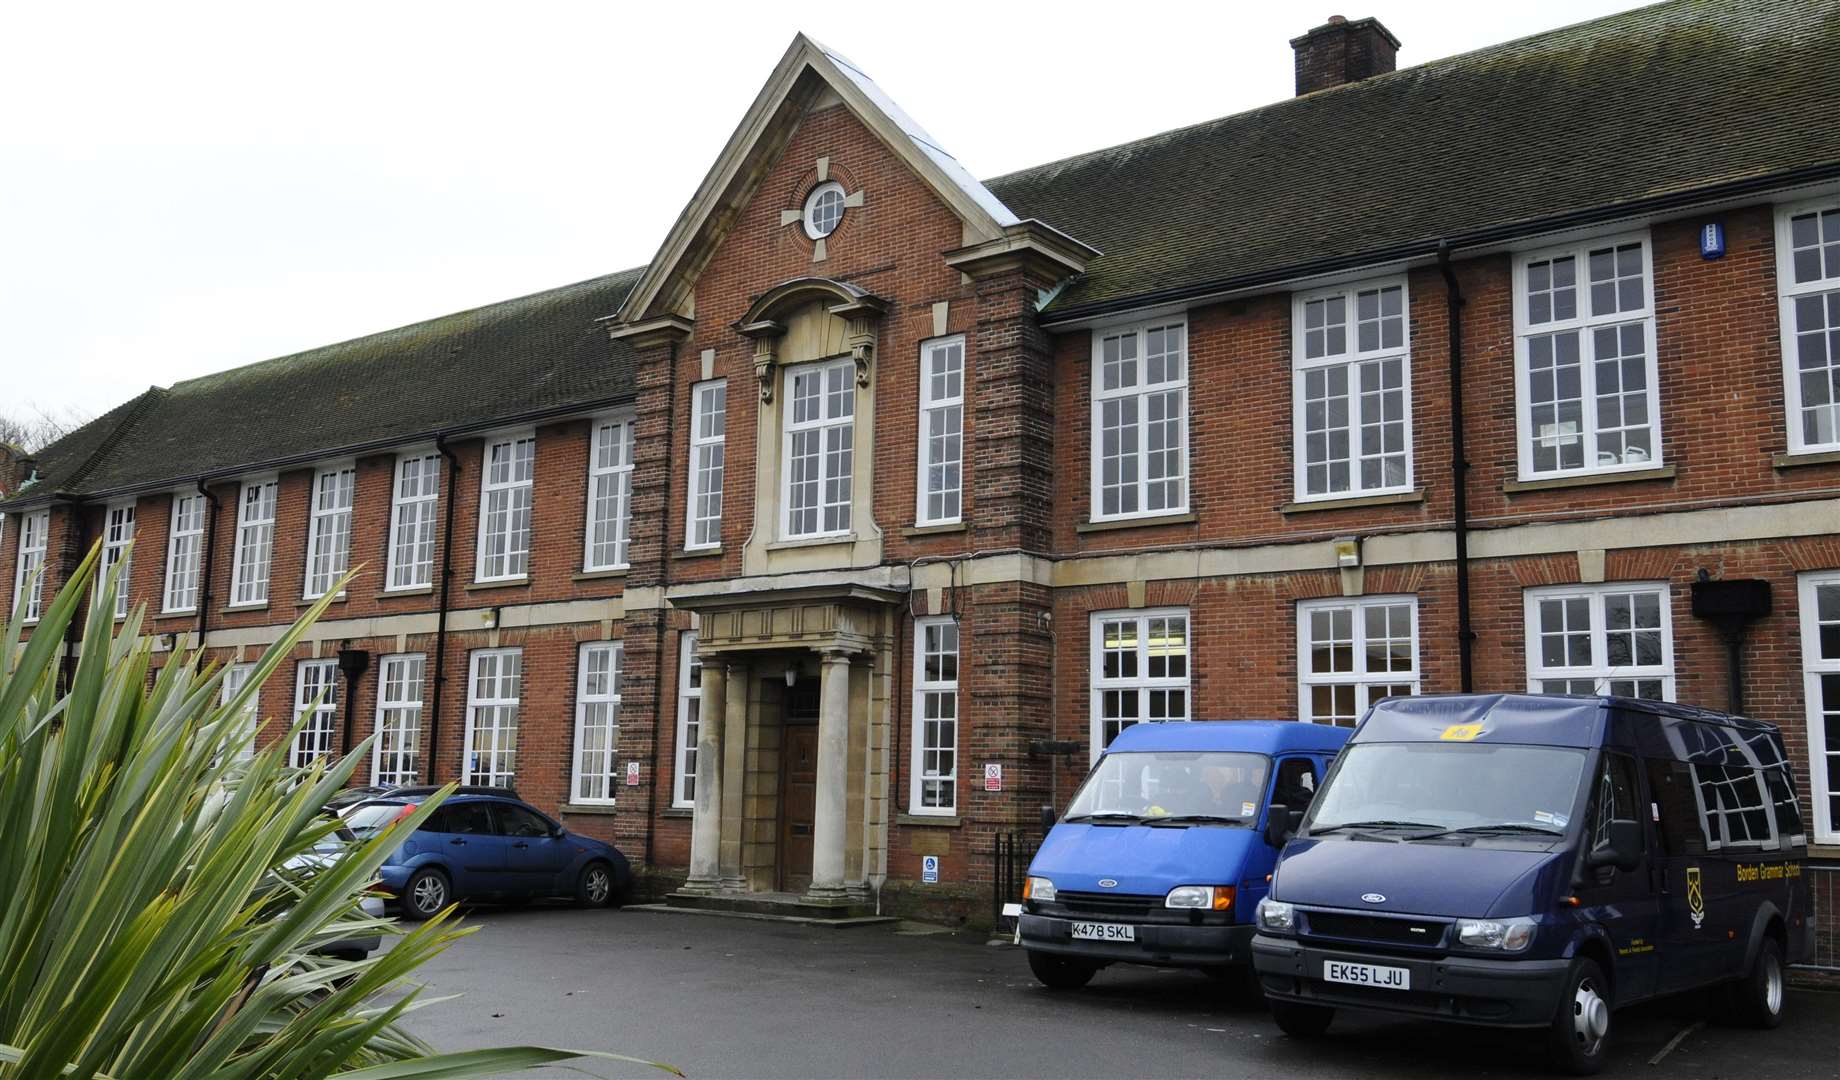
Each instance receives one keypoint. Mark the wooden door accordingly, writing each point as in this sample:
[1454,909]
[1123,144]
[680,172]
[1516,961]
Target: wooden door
[798,791]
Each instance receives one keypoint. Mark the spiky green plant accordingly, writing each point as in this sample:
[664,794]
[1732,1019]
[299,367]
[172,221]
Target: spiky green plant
[155,917]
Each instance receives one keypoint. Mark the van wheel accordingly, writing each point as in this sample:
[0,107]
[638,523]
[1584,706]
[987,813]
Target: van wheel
[1580,1035]
[1756,1000]
[1059,972]
[1301,1021]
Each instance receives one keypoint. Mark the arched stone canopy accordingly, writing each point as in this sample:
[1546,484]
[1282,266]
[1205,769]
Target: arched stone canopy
[765,322]
[792,295]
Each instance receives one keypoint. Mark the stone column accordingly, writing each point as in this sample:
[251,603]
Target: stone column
[706,824]
[733,719]
[827,831]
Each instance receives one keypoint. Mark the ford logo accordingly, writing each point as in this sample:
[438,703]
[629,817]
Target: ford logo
[1107,883]
[1373,898]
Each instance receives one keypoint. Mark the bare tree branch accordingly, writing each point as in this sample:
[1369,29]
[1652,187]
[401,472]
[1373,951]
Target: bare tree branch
[35,427]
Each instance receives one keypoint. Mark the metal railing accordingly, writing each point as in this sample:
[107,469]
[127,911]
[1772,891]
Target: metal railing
[1010,855]
[1824,894]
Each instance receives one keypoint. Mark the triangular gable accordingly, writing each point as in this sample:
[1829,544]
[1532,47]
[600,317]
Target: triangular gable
[805,73]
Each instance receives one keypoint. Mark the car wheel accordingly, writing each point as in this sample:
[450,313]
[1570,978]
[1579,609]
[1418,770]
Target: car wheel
[1060,972]
[1756,1000]
[595,887]
[427,892]
[1580,1035]
[1301,1021]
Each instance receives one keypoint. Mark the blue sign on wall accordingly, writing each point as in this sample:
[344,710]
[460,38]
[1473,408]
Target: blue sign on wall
[1711,240]
[929,869]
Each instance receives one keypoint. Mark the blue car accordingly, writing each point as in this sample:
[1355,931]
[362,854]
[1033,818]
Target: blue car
[487,844]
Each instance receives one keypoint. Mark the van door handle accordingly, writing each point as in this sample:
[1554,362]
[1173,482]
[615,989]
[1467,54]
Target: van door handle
[520,844]
[458,840]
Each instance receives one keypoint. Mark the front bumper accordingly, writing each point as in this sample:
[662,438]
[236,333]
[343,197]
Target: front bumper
[1160,944]
[1464,989]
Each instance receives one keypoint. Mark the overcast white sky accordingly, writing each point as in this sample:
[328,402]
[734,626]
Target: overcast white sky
[188,187]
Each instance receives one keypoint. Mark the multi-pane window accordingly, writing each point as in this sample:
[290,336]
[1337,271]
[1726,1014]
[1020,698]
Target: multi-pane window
[117,534]
[494,690]
[1139,671]
[34,530]
[1585,360]
[1600,639]
[255,543]
[184,549]
[689,719]
[329,529]
[316,692]
[708,459]
[1351,385]
[1140,421]
[1808,282]
[1820,614]
[935,769]
[610,468]
[236,676]
[597,721]
[1352,653]
[412,516]
[820,448]
[396,755]
[507,484]
[942,426]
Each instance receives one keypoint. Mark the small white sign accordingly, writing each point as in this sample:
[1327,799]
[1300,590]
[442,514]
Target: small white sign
[632,774]
[929,869]
[993,777]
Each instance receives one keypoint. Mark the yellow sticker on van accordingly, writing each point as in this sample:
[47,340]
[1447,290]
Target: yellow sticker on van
[1461,732]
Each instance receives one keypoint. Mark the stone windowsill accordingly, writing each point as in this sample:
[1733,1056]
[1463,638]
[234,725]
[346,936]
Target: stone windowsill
[677,812]
[599,575]
[507,583]
[419,590]
[935,530]
[1633,476]
[936,821]
[845,540]
[304,604]
[1135,523]
[238,609]
[604,810]
[1354,502]
[1824,851]
[176,616]
[698,553]
[1806,457]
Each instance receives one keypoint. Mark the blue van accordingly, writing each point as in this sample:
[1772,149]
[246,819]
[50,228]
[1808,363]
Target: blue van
[1538,861]
[1163,853]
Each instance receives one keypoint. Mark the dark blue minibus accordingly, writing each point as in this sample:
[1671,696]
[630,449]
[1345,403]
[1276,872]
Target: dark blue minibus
[1539,861]
[1166,848]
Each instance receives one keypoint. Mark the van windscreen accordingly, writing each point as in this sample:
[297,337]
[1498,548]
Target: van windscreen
[1469,786]
[1178,786]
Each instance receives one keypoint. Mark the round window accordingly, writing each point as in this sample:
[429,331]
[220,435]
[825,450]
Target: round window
[823,210]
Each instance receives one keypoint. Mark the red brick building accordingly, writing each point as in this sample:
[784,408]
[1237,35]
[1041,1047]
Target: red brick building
[847,530]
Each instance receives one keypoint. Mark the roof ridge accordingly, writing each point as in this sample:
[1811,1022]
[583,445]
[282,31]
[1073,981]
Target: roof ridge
[136,410]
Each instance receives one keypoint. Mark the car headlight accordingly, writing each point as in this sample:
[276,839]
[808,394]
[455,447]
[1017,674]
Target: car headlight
[1277,916]
[1504,935]
[1038,888]
[1200,897]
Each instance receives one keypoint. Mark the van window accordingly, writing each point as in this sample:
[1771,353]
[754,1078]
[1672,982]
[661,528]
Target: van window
[1732,805]
[1146,785]
[1614,798]
[1677,818]
[1787,810]
[1453,786]
[1296,784]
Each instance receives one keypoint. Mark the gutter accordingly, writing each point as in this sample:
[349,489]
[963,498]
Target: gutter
[1459,470]
[210,549]
[452,476]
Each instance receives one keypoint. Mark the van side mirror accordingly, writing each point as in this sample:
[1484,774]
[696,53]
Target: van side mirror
[1048,817]
[1623,848]
[1281,824]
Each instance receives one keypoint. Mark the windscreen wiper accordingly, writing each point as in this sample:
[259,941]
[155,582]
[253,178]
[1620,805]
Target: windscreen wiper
[1196,819]
[1500,826]
[1321,830]
[1107,817]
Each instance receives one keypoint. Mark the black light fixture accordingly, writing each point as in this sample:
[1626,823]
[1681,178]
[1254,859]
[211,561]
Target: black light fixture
[1731,606]
[354,663]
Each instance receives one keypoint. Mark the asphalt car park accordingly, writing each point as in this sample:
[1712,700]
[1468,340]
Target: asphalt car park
[731,997]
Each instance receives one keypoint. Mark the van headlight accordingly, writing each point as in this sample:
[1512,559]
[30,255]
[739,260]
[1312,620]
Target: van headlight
[1501,935]
[1276,916]
[1038,888]
[1200,897]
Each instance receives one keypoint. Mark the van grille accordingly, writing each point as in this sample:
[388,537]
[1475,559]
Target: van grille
[1423,933]
[1110,905]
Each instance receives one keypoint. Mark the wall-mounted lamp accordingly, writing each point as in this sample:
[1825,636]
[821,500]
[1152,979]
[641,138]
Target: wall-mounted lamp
[166,642]
[792,674]
[1347,551]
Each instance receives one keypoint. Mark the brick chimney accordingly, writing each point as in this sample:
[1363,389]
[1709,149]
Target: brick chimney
[1340,52]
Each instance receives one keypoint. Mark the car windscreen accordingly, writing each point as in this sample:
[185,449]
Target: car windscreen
[369,819]
[1443,786]
[1148,785]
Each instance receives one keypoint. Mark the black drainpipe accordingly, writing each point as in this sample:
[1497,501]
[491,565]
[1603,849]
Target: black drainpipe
[1459,469]
[440,619]
[210,548]
[73,633]
[664,578]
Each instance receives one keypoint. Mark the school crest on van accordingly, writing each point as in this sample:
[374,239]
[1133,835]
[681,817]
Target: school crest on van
[1696,897]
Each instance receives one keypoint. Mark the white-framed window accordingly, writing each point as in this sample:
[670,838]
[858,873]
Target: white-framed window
[396,755]
[1140,670]
[1820,617]
[255,542]
[329,528]
[597,721]
[610,468]
[1351,390]
[935,766]
[236,676]
[708,462]
[494,689]
[184,549]
[1584,359]
[1140,421]
[316,690]
[824,209]
[689,719]
[820,450]
[1353,652]
[942,432]
[117,535]
[1601,639]
[34,535]
[1808,285]
[507,483]
[413,500]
